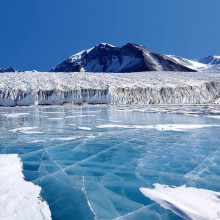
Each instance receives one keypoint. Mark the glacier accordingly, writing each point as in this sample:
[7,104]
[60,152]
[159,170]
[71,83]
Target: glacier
[90,161]
[36,88]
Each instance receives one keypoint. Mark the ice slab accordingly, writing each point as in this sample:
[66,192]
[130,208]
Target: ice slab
[187,202]
[19,199]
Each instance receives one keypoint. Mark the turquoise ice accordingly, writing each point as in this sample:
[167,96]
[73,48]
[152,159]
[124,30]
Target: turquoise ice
[91,161]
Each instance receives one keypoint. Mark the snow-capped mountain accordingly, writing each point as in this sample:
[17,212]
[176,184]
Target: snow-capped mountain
[10,69]
[212,60]
[208,64]
[128,58]
[195,65]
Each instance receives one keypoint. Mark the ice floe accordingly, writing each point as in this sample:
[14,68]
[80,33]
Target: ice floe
[19,199]
[187,202]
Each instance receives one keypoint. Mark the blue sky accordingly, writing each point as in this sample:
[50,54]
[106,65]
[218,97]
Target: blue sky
[38,34]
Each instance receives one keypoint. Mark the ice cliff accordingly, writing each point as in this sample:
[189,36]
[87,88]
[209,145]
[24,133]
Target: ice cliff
[33,88]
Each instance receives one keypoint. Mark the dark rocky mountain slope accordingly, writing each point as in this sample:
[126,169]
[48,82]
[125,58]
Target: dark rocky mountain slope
[128,58]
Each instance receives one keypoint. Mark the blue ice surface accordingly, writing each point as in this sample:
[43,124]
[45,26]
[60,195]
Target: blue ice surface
[99,173]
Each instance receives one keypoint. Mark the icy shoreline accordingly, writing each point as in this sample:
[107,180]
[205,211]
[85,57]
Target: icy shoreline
[31,88]
[19,199]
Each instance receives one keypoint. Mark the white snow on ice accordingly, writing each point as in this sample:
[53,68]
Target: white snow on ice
[55,118]
[19,199]
[26,130]
[159,127]
[85,128]
[35,141]
[79,116]
[214,116]
[187,202]
[15,115]
[63,139]
[179,127]
[73,125]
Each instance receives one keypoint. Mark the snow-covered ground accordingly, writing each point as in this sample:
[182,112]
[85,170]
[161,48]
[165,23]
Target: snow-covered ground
[19,199]
[35,88]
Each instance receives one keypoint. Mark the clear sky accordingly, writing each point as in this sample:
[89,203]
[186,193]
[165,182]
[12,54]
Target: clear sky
[38,34]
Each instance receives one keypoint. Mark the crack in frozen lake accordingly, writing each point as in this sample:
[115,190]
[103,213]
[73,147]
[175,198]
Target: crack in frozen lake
[91,161]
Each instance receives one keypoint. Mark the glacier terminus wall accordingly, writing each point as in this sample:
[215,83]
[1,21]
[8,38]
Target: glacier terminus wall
[36,88]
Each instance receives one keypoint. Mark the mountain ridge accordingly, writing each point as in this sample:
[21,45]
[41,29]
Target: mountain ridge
[212,59]
[128,58]
[7,70]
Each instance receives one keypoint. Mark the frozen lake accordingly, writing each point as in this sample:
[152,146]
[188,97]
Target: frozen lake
[92,161]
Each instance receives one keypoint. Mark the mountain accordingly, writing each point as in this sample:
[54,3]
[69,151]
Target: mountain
[192,64]
[128,58]
[10,69]
[212,60]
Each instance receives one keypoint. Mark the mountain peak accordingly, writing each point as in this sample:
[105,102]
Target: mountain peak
[212,59]
[103,45]
[128,58]
[131,45]
[216,57]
